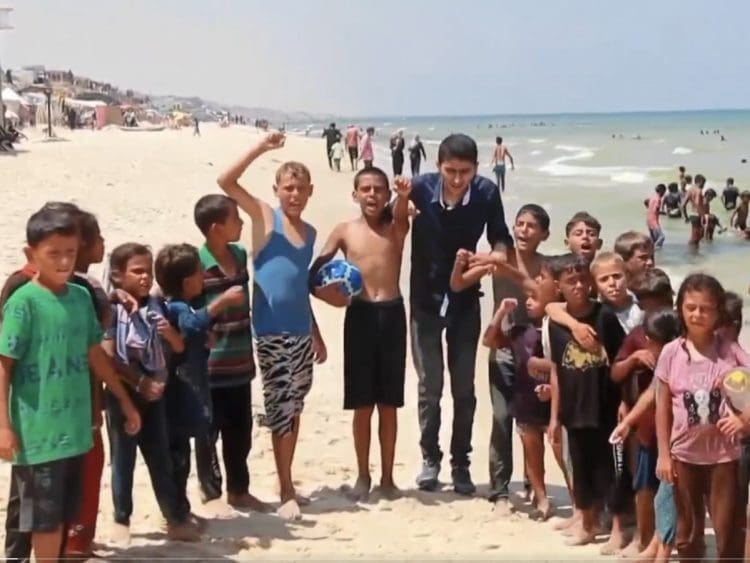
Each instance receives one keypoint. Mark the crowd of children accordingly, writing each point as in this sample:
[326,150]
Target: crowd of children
[588,352]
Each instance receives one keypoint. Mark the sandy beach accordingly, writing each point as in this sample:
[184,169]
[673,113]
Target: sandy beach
[143,187]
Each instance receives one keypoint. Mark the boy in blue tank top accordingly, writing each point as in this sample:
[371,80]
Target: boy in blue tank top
[288,340]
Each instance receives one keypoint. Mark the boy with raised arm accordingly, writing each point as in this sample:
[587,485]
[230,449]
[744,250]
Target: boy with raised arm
[375,324]
[287,337]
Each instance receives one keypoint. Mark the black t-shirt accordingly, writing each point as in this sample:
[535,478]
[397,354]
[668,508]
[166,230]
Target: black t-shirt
[730,195]
[588,396]
[332,136]
[672,201]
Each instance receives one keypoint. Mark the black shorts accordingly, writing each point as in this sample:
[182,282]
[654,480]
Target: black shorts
[593,466]
[374,353]
[50,493]
[353,153]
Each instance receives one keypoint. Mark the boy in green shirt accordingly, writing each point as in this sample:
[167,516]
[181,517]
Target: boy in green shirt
[50,336]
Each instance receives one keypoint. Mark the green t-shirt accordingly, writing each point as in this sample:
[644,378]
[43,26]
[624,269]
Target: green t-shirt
[49,336]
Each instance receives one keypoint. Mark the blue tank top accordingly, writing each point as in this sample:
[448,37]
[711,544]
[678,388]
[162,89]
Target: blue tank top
[281,295]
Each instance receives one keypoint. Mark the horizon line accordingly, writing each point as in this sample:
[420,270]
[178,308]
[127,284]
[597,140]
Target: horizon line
[528,114]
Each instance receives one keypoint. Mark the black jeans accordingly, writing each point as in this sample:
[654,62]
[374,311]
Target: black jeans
[17,543]
[233,420]
[154,443]
[502,374]
[415,166]
[462,334]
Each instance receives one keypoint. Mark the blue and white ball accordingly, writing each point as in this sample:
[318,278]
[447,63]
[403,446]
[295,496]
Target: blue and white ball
[341,272]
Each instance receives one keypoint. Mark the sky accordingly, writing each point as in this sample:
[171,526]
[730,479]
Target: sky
[396,57]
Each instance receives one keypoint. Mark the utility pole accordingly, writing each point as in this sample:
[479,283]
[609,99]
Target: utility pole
[4,24]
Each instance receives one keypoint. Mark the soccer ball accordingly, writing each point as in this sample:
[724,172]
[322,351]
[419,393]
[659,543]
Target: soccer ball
[342,272]
[737,388]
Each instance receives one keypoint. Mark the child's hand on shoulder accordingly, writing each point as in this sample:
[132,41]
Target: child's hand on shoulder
[125,299]
[8,444]
[538,367]
[586,336]
[273,141]
[402,186]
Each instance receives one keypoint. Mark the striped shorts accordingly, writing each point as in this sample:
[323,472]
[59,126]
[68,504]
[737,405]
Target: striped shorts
[286,367]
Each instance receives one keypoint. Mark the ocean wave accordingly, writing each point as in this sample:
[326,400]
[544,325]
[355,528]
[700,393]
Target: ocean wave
[682,150]
[619,174]
[535,153]
[537,141]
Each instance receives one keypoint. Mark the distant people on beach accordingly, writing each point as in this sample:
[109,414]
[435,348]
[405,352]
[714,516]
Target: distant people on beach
[353,136]
[416,154]
[698,215]
[738,220]
[196,127]
[397,145]
[367,151]
[499,155]
[332,135]
[337,153]
[729,195]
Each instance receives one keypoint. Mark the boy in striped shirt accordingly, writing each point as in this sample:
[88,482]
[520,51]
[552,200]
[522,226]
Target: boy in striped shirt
[230,365]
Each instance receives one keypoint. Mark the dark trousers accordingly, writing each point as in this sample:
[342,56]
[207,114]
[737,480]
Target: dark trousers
[415,166]
[328,155]
[398,163]
[462,334]
[502,373]
[179,451]
[17,543]
[233,421]
[153,441]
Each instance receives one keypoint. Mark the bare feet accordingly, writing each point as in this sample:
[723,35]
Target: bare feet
[361,490]
[502,508]
[120,534]
[187,531]
[580,537]
[302,500]
[649,554]
[389,490]
[247,501]
[290,510]
[544,510]
[200,522]
[632,550]
[614,545]
[566,523]
[217,508]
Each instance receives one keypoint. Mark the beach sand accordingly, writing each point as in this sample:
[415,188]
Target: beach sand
[142,187]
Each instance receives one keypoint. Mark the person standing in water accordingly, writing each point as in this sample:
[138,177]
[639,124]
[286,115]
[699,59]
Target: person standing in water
[498,162]
[397,152]
[416,153]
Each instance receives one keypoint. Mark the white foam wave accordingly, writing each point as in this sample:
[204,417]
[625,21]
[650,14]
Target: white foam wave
[619,174]
[537,141]
[535,153]
[682,150]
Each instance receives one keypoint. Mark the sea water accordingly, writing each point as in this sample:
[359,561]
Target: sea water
[606,164]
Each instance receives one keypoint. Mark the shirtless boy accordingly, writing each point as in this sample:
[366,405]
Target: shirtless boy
[498,162]
[375,323]
[739,217]
[697,204]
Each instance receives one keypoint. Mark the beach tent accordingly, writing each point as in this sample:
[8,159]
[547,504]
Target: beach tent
[12,100]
